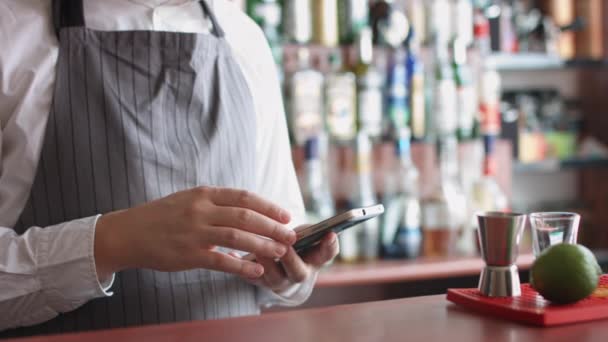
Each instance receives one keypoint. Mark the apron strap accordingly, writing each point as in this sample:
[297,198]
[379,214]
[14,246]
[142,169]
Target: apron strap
[67,13]
[217,29]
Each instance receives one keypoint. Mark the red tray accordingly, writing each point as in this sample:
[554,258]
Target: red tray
[531,308]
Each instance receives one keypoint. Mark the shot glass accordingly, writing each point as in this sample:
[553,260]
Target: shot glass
[551,228]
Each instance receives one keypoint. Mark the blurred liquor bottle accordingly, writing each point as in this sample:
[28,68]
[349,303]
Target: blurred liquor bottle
[258,9]
[481,32]
[485,195]
[430,85]
[463,21]
[415,87]
[401,235]
[441,26]
[466,95]
[489,92]
[340,100]
[352,18]
[364,195]
[325,20]
[397,108]
[416,12]
[508,37]
[390,26]
[361,242]
[445,109]
[444,212]
[297,21]
[267,14]
[304,98]
[369,87]
[317,194]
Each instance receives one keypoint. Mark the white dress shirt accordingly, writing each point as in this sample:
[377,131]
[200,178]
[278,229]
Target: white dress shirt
[52,270]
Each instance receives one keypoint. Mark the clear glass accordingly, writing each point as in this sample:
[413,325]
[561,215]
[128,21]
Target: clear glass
[551,228]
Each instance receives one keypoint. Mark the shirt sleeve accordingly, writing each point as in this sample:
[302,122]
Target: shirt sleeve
[47,271]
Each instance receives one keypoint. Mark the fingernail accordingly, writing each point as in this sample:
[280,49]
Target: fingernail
[291,237]
[280,251]
[333,239]
[255,271]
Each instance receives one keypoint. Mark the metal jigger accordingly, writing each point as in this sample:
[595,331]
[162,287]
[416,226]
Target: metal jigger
[499,235]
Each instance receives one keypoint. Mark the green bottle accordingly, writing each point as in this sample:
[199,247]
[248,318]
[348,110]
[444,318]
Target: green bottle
[352,18]
[466,96]
[267,14]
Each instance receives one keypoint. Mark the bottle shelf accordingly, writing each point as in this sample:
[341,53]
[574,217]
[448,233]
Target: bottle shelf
[522,61]
[525,61]
[540,61]
[555,165]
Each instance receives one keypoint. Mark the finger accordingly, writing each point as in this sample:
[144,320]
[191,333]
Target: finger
[254,281]
[243,241]
[248,200]
[218,261]
[325,251]
[251,221]
[274,275]
[296,269]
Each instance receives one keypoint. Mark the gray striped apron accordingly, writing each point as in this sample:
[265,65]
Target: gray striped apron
[138,115]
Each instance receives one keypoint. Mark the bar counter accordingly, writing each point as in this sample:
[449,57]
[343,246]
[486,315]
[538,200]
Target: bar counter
[430,318]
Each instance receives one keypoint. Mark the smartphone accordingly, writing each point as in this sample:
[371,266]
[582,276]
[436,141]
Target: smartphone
[308,237]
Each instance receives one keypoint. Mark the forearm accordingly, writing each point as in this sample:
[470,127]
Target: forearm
[47,271]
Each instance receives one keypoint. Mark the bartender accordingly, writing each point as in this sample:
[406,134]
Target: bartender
[144,150]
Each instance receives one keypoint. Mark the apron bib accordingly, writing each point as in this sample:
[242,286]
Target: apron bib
[138,115]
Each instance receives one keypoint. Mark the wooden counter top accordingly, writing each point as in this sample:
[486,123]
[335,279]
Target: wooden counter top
[405,270]
[430,318]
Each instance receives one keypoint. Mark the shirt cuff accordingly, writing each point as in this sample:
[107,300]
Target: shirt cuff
[67,265]
[104,284]
[295,295]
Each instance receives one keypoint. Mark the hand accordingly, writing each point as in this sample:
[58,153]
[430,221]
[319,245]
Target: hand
[182,231]
[293,269]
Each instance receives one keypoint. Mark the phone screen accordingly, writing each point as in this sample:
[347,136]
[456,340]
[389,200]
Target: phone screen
[310,240]
[311,236]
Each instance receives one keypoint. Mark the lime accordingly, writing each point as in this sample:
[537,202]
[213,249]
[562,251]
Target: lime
[565,273]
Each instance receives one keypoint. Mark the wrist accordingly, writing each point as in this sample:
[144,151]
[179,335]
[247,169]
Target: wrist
[109,255]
